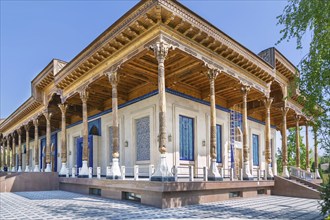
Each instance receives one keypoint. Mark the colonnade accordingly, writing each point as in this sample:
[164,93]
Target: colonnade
[162,172]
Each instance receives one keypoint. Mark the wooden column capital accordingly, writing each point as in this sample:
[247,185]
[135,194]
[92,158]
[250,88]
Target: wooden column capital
[245,89]
[84,95]
[268,102]
[161,49]
[19,132]
[212,74]
[27,127]
[284,111]
[47,115]
[35,122]
[63,107]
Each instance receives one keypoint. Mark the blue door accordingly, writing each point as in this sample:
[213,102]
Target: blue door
[186,138]
[42,152]
[80,152]
[255,142]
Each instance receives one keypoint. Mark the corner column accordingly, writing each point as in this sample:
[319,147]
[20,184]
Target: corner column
[213,174]
[268,102]
[308,169]
[115,172]
[19,151]
[285,173]
[48,141]
[36,145]
[162,172]
[316,159]
[13,154]
[246,151]
[297,141]
[84,170]
[63,170]
[27,142]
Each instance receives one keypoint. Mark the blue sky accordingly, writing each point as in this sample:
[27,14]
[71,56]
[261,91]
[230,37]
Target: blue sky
[34,32]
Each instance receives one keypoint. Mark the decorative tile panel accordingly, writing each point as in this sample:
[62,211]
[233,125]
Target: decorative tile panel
[142,126]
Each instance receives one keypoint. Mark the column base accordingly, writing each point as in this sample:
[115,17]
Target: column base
[308,170]
[246,172]
[48,168]
[27,169]
[162,174]
[317,174]
[285,172]
[13,169]
[270,175]
[84,172]
[36,168]
[63,170]
[213,173]
[115,172]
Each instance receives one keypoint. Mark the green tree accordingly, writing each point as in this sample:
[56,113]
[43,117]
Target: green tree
[299,17]
[325,201]
[312,16]
[292,151]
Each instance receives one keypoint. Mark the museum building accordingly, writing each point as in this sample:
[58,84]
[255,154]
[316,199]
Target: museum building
[161,94]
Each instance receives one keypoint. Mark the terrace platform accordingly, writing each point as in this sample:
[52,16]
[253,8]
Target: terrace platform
[166,194]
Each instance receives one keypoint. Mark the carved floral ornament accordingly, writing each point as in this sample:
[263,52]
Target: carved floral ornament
[161,47]
[112,74]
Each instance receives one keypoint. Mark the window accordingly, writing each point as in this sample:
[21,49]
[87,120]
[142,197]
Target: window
[255,143]
[219,144]
[186,138]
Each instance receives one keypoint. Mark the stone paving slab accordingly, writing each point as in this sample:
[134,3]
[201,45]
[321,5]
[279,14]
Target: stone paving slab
[67,205]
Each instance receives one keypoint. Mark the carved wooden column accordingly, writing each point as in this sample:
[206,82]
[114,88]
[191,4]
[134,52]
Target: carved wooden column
[9,165]
[63,107]
[115,172]
[284,144]
[13,155]
[213,173]
[36,145]
[297,117]
[10,153]
[316,159]
[162,172]
[19,151]
[268,159]
[84,170]
[48,140]
[27,143]
[307,151]
[5,147]
[246,159]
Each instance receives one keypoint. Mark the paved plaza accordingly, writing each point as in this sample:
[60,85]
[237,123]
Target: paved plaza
[67,205]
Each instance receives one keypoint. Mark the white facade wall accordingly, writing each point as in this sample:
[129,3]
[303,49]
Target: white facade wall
[176,106]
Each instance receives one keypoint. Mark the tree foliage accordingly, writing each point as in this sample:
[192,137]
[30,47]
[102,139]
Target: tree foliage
[325,201]
[312,16]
